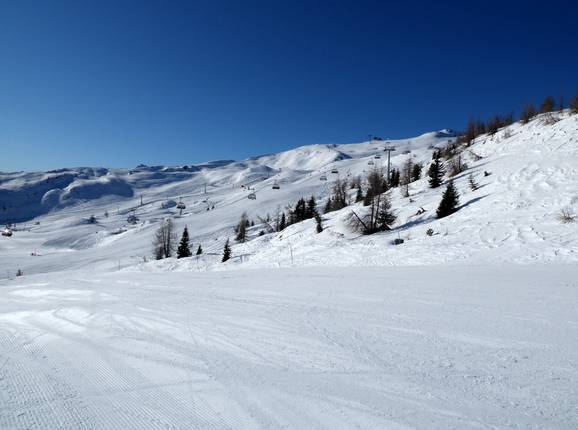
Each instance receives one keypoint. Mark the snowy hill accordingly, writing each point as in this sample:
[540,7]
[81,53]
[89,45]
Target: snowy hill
[512,217]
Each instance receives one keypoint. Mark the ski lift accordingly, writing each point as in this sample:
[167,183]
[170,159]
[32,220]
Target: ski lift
[370,163]
[334,170]
[323,177]
[377,157]
[252,196]
[7,232]
[275,185]
[180,206]
[132,219]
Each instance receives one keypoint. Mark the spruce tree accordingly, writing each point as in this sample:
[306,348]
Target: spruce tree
[283,222]
[472,182]
[436,173]
[311,208]
[199,250]
[226,251]
[241,228]
[318,225]
[450,201]
[359,195]
[385,217]
[416,172]
[183,250]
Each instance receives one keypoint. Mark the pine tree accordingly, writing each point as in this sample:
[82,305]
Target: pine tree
[359,195]
[385,217]
[318,224]
[472,182]
[450,201]
[226,251]
[199,250]
[328,206]
[416,172]
[183,250]
[311,208]
[436,173]
[241,228]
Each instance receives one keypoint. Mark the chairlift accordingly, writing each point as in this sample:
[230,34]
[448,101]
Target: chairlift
[370,163]
[180,206]
[275,185]
[7,232]
[132,219]
[323,177]
[252,196]
[334,170]
[377,157]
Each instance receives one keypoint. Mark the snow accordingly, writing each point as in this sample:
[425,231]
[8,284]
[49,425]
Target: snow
[404,347]
[472,327]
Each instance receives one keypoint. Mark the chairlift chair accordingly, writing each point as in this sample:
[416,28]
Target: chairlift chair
[252,196]
[370,162]
[275,185]
[334,170]
[323,177]
[377,157]
[7,232]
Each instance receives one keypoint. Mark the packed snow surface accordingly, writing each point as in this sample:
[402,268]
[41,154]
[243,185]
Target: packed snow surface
[317,348]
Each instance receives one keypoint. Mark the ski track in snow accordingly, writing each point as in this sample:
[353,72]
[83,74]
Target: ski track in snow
[431,347]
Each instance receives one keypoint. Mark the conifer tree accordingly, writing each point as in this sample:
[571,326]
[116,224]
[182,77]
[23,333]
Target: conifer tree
[385,217]
[241,228]
[199,250]
[183,250]
[416,172]
[450,201]
[311,208]
[436,173]
[283,222]
[226,251]
[318,224]
[472,182]
[359,195]
[328,206]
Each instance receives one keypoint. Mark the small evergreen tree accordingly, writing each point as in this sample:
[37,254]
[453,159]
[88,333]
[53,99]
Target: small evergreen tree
[436,173]
[226,251]
[416,172]
[472,182]
[359,195]
[450,201]
[183,250]
[328,205]
[385,217]
[311,210]
[283,222]
[199,250]
[318,224]
[241,229]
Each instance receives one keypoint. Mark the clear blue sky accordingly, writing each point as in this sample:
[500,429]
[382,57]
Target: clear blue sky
[117,83]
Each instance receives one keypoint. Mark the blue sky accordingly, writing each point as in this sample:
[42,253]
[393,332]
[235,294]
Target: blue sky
[118,83]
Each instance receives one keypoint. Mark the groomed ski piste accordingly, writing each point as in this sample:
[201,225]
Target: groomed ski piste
[472,327]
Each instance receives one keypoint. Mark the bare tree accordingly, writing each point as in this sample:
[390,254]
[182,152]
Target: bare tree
[164,240]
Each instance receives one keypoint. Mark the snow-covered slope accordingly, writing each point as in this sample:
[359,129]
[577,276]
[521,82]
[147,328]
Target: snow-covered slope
[513,216]
[93,336]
